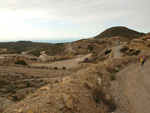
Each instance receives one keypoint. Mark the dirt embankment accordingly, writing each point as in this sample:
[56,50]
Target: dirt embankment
[132,89]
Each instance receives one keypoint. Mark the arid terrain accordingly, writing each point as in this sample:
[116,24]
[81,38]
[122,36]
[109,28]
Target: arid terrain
[132,89]
[18,82]
[96,75]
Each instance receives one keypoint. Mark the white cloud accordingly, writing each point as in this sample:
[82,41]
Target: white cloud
[94,16]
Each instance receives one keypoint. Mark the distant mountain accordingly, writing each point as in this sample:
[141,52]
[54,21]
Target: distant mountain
[18,47]
[120,31]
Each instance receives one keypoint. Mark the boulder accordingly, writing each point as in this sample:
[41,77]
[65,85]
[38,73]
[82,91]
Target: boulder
[66,80]
[68,101]
[4,103]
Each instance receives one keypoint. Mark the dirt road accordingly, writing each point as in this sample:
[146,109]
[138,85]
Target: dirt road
[116,51]
[132,89]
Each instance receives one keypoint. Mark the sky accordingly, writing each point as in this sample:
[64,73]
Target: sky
[60,20]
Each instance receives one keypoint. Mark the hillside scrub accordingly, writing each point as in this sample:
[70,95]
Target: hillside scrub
[21,62]
[126,51]
[78,92]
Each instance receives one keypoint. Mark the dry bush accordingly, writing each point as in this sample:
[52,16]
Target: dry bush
[112,76]
[100,96]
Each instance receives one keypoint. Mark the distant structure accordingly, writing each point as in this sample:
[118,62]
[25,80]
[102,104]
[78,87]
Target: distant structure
[117,41]
[146,38]
[44,57]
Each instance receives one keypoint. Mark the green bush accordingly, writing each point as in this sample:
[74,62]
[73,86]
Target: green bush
[21,62]
[90,47]
[35,53]
[15,98]
[79,47]
[28,84]
[107,52]
[113,77]
[124,49]
[34,59]
[55,68]
[137,52]
[64,67]
[99,94]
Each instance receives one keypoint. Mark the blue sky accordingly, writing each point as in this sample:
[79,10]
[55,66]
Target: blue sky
[69,19]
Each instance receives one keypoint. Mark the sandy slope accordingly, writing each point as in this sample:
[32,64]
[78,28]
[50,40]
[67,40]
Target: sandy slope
[71,63]
[132,89]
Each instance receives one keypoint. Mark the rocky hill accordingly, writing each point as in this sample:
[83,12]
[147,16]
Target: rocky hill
[120,31]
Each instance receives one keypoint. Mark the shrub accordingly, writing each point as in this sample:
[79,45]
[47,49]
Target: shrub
[13,91]
[55,68]
[34,59]
[28,84]
[64,67]
[107,52]
[86,60]
[35,53]
[15,98]
[4,82]
[137,52]
[41,80]
[90,47]
[124,49]
[22,62]
[113,77]
[79,47]
[112,104]
[99,94]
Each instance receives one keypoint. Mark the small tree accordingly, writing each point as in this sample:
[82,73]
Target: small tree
[90,47]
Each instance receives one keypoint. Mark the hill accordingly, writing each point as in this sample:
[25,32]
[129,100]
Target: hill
[20,46]
[120,31]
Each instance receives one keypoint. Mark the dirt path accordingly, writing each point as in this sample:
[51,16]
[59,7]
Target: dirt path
[132,89]
[116,51]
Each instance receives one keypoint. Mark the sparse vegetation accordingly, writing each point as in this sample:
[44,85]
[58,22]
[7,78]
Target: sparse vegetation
[21,62]
[15,98]
[79,47]
[124,49]
[90,47]
[100,96]
[55,68]
[113,76]
[35,53]
[107,52]
[28,84]
[64,67]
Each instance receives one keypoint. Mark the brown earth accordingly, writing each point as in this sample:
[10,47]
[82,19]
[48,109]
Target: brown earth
[132,89]
[17,82]
[69,64]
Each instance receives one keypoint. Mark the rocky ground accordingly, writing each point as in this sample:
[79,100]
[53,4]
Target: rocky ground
[91,90]
[73,94]
[17,82]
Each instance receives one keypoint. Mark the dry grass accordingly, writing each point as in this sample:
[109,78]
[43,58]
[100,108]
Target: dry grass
[100,96]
